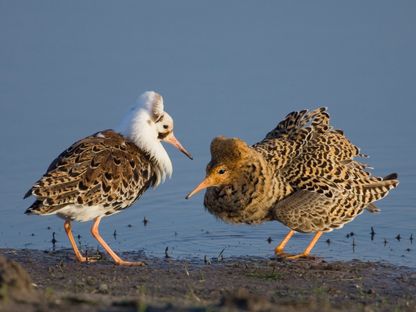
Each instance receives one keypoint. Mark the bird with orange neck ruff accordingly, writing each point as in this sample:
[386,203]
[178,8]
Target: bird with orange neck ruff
[303,174]
[106,172]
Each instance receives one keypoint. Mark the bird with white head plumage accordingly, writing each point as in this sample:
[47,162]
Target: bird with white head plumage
[147,124]
[106,172]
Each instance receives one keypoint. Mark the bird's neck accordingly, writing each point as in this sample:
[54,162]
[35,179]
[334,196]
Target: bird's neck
[139,128]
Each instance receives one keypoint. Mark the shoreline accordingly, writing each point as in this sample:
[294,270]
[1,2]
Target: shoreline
[254,284]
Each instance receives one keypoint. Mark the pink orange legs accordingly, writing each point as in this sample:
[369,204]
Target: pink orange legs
[279,249]
[78,255]
[116,258]
[308,249]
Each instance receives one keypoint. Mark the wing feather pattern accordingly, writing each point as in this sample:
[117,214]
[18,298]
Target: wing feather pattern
[103,169]
[318,161]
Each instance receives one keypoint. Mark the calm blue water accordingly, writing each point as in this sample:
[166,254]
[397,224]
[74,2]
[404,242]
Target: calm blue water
[236,68]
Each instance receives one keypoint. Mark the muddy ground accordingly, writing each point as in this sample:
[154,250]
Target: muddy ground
[55,282]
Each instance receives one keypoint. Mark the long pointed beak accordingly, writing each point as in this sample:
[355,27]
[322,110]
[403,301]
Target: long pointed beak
[204,184]
[174,141]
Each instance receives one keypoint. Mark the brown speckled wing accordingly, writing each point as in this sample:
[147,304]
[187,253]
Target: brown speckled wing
[306,212]
[306,132]
[103,169]
[314,157]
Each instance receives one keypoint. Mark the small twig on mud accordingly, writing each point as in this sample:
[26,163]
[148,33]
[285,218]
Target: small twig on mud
[345,279]
[220,256]
[194,295]
[166,253]
[61,265]
[186,269]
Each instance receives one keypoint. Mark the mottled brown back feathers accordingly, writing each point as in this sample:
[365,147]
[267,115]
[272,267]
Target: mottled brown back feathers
[103,169]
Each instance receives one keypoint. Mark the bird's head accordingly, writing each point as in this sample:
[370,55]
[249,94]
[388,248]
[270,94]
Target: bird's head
[148,121]
[227,157]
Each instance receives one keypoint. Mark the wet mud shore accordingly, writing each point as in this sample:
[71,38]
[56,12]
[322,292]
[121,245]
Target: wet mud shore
[33,280]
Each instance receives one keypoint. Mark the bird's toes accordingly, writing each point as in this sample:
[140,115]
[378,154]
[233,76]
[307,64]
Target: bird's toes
[130,263]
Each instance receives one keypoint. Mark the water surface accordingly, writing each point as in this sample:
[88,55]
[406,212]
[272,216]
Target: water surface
[234,69]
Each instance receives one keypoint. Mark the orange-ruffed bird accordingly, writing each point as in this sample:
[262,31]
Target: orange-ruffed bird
[302,174]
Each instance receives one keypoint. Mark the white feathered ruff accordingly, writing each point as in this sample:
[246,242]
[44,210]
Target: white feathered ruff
[139,126]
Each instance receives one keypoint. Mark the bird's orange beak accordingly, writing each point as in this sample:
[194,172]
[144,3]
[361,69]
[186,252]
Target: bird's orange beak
[174,141]
[207,182]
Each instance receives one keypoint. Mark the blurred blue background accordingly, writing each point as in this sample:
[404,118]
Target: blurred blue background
[236,68]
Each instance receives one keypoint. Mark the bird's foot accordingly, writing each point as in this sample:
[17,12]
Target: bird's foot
[286,256]
[129,263]
[296,257]
[281,256]
[89,259]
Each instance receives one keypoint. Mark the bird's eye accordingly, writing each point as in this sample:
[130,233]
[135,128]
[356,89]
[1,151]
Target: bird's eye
[165,126]
[221,171]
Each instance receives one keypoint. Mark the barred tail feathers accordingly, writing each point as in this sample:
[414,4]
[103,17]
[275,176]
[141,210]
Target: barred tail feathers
[378,190]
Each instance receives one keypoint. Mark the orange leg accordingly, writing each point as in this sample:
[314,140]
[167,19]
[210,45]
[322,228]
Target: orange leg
[80,257]
[308,249]
[116,258]
[279,249]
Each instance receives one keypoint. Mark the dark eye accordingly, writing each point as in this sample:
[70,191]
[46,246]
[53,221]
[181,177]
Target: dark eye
[165,126]
[221,171]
